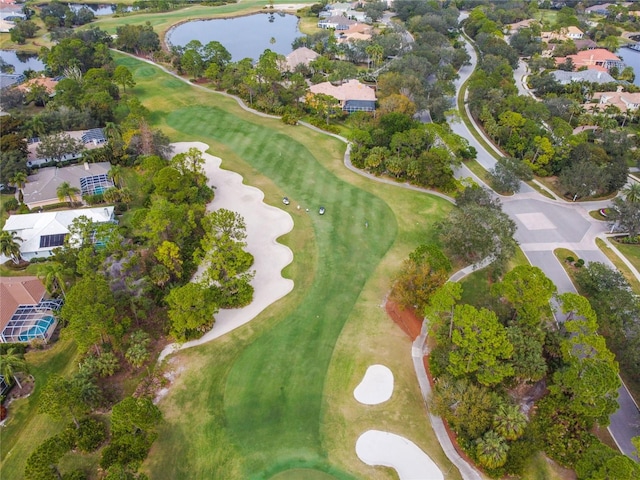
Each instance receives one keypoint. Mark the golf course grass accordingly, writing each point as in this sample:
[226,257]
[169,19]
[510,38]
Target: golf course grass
[276,396]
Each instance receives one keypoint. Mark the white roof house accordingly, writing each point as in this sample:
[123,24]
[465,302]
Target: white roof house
[42,232]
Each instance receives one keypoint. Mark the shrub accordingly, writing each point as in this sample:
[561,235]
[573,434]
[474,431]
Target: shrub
[11,205]
[570,259]
[580,263]
[18,348]
[290,118]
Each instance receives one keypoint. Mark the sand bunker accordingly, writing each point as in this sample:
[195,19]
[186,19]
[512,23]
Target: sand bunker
[265,224]
[375,447]
[376,386]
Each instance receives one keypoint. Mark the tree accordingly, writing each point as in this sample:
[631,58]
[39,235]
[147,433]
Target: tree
[324,105]
[123,76]
[61,399]
[57,146]
[19,179]
[422,274]
[492,450]
[133,416]
[12,363]
[507,174]
[625,216]
[138,351]
[473,232]
[9,246]
[191,310]
[89,310]
[529,364]
[226,262]
[509,422]
[529,292]
[590,376]
[375,9]
[480,346]
[632,192]
[53,275]
[442,304]
[66,191]
[168,254]
[192,63]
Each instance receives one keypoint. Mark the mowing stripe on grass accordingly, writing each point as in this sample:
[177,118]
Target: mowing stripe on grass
[273,395]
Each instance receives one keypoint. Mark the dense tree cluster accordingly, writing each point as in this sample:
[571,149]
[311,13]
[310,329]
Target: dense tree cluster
[486,361]
[540,135]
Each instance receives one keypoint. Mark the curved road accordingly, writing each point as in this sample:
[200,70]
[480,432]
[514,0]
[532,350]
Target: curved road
[544,225]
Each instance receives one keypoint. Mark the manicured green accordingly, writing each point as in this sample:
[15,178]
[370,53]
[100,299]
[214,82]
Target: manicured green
[256,402]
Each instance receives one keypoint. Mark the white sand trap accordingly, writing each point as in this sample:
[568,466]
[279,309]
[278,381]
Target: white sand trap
[376,386]
[375,447]
[265,224]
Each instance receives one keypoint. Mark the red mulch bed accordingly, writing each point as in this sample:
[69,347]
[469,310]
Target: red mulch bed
[406,318]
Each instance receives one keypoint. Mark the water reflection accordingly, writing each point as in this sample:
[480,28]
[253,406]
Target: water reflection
[243,37]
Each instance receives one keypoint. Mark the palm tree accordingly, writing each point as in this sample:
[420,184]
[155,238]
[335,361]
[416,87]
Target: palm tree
[492,450]
[66,191]
[52,275]
[9,245]
[115,174]
[509,422]
[632,192]
[19,179]
[11,363]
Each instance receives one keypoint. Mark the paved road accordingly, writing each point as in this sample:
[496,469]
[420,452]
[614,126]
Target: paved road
[544,225]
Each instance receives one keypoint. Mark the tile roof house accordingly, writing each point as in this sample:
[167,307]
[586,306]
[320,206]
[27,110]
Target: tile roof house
[353,95]
[41,187]
[26,311]
[626,102]
[42,232]
[597,59]
[591,76]
[302,55]
[48,83]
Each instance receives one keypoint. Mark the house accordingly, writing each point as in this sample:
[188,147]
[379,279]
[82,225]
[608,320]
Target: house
[300,56]
[352,37]
[352,95]
[8,80]
[336,22]
[49,85]
[26,311]
[596,59]
[42,232]
[603,9]
[590,76]
[41,188]
[574,33]
[90,139]
[585,44]
[515,27]
[11,12]
[626,102]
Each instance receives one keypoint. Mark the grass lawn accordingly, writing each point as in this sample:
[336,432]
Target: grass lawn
[26,428]
[276,395]
[162,21]
[632,252]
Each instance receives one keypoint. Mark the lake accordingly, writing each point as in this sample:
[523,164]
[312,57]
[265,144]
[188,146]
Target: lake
[22,61]
[99,10]
[243,37]
[632,59]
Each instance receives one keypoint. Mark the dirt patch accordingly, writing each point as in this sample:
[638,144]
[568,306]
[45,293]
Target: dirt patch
[406,318]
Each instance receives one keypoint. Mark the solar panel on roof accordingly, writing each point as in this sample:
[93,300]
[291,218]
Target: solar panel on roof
[56,240]
[95,134]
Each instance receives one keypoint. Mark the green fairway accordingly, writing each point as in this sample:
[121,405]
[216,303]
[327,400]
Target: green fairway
[258,402]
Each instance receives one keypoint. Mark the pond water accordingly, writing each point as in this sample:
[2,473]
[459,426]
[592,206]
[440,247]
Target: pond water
[632,59]
[99,10]
[243,37]
[21,61]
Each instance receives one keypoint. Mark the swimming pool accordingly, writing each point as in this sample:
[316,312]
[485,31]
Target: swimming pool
[38,330]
